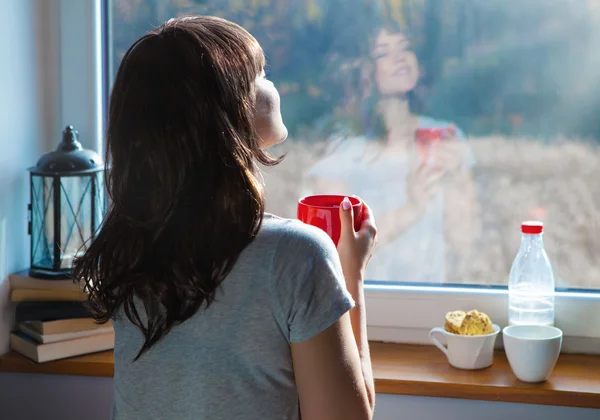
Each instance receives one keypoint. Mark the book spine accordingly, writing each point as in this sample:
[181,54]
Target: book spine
[18,281]
[45,295]
[51,311]
[64,325]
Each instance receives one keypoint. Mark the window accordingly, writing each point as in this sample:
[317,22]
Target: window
[518,84]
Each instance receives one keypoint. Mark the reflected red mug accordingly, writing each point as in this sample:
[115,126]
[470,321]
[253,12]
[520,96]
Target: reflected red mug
[428,140]
[323,211]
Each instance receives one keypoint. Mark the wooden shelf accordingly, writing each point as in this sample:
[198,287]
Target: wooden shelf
[409,370]
[97,364]
[424,371]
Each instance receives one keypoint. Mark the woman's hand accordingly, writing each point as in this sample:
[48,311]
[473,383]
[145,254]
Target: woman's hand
[355,248]
[422,184]
[450,155]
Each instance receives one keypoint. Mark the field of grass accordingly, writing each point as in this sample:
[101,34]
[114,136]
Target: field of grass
[516,179]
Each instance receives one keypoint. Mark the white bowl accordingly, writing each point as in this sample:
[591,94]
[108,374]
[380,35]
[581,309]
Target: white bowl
[532,350]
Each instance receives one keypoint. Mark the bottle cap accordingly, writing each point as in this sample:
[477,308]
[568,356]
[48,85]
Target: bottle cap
[532,227]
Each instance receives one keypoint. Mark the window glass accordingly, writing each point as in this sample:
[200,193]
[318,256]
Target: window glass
[368,87]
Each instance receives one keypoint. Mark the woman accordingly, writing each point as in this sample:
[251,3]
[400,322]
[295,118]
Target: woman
[423,207]
[220,311]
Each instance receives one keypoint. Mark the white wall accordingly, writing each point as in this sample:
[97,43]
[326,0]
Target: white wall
[49,397]
[399,407]
[28,117]
[75,398]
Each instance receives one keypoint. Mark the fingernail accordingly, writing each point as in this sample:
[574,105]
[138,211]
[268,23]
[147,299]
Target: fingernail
[346,203]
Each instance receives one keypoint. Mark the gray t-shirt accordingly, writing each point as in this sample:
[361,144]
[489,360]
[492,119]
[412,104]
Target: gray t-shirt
[233,360]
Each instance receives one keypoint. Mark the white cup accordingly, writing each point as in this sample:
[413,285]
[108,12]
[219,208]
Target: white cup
[466,351]
[532,350]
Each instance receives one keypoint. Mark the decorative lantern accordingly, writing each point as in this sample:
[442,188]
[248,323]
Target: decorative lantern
[66,208]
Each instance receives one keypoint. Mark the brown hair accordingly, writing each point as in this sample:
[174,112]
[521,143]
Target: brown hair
[372,122]
[186,197]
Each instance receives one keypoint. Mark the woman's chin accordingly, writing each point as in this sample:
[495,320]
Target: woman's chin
[277,136]
[397,89]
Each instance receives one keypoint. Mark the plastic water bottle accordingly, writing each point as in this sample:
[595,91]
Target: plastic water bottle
[531,281]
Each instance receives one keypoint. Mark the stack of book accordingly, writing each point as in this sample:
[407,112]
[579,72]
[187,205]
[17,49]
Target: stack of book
[52,320]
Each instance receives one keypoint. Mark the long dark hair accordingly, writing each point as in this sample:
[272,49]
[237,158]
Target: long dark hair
[373,125]
[186,195]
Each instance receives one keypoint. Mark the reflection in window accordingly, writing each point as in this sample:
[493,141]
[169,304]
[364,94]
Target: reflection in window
[505,96]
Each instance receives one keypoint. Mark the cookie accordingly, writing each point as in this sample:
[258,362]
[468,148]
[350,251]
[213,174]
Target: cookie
[454,321]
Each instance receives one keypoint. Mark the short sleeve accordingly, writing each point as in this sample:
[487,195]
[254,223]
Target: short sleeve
[310,286]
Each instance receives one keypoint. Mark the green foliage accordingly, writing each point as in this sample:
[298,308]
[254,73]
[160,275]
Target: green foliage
[503,66]
[525,70]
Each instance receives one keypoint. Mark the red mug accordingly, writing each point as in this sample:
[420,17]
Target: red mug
[428,140]
[323,211]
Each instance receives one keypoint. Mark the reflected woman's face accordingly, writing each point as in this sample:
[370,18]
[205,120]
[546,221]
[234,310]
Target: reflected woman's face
[396,66]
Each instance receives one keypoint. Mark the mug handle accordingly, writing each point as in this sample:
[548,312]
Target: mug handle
[436,342]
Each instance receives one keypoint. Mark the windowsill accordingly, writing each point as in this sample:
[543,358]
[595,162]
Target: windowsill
[409,370]
[423,371]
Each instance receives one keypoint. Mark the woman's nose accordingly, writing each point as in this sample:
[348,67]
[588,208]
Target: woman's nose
[399,56]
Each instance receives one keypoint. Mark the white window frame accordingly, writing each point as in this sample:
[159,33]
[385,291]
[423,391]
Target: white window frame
[407,313]
[80,69]
[395,313]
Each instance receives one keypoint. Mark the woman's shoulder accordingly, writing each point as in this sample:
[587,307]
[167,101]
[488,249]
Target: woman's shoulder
[338,150]
[295,238]
[430,122]
[347,145]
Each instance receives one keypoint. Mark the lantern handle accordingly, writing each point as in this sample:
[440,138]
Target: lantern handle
[70,140]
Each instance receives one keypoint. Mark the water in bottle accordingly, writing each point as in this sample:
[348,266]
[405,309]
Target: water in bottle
[531,281]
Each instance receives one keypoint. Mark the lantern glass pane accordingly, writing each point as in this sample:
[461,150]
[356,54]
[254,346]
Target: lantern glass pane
[42,222]
[75,214]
